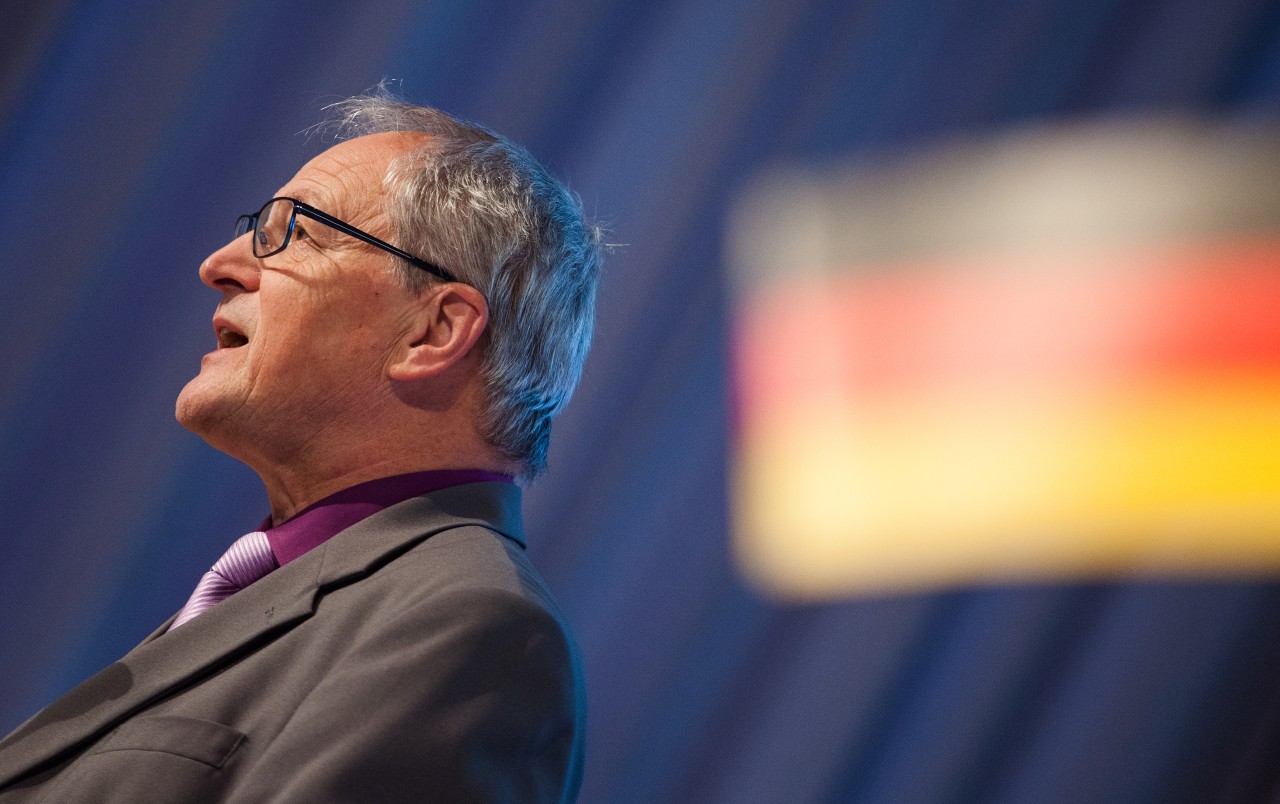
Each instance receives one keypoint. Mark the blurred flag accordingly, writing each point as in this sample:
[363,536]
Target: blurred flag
[1052,355]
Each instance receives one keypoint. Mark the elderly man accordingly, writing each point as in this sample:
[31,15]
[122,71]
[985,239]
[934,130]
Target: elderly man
[397,326]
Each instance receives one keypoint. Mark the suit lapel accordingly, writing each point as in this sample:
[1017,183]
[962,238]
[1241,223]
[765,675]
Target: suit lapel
[163,664]
[158,667]
[367,545]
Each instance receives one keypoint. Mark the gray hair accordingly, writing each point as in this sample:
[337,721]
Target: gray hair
[479,205]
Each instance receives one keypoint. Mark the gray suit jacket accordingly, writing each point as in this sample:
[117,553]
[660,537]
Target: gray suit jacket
[416,656]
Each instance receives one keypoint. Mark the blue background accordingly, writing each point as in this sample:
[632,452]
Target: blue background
[132,134]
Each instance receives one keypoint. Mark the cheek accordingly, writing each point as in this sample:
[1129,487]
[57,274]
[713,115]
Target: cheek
[279,346]
[307,342]
[339,331]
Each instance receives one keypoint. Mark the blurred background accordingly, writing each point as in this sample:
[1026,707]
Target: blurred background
[929,450]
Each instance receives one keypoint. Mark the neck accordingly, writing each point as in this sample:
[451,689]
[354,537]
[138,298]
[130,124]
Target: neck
[290,491]
[300,474]
[303,460]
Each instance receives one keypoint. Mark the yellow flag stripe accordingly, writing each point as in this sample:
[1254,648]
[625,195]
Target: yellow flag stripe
[836,497]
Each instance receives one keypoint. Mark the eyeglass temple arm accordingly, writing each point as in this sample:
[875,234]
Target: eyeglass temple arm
[347,228]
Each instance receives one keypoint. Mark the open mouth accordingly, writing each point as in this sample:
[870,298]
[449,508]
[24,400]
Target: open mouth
[230,339]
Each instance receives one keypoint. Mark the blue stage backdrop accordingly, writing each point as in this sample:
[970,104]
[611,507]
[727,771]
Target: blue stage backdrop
[132,134]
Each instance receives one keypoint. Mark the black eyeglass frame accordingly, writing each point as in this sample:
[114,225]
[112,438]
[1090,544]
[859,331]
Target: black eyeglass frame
[249,223]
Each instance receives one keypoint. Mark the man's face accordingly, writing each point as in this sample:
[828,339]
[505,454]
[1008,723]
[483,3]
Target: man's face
[304,336]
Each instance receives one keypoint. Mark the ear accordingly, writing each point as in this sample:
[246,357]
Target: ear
[447,326]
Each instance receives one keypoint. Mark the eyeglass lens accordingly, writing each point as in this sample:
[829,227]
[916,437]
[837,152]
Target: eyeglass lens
[272,231]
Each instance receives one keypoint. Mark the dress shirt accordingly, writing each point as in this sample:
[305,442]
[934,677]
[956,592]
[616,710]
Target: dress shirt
[323,520]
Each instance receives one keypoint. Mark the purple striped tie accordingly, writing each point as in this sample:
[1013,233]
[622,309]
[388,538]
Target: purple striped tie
[246,561]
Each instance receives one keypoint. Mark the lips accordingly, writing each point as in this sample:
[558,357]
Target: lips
[230,339]
[229,335]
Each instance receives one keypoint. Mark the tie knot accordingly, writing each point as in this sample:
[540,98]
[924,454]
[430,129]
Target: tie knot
[246,560]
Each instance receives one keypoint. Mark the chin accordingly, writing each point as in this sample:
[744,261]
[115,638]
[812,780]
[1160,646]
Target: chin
[200,407]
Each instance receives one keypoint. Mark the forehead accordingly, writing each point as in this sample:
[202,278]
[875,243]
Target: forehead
[349,176]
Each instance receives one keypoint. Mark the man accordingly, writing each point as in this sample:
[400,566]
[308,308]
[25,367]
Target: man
[396,329]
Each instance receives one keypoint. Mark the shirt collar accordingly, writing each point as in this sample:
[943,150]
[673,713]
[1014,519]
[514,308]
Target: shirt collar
[321,521]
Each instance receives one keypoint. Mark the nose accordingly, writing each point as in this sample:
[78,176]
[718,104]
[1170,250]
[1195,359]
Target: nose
[232,267]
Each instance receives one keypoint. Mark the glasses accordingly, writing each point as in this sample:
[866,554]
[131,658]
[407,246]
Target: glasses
[272,227]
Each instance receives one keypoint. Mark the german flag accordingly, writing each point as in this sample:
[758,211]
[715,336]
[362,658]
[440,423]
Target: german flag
[1097,407]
